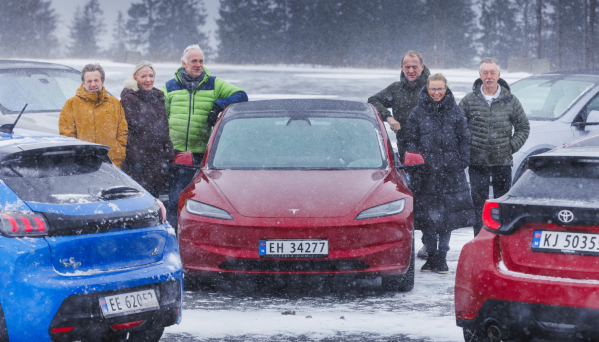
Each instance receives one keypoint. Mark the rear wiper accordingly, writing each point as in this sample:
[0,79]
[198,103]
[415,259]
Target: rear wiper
[118,191]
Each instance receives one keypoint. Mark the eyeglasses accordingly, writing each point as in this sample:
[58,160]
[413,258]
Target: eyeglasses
[433,90]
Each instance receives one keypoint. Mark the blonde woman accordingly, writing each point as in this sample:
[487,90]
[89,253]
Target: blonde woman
[437,129]
[149,147]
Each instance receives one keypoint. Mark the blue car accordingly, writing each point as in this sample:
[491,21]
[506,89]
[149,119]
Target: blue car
[85,252]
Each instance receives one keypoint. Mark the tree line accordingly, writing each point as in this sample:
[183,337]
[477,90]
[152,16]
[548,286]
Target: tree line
[374,33]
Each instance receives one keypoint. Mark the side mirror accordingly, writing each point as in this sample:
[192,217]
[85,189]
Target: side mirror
[412,159]
[185,159]
[593,117]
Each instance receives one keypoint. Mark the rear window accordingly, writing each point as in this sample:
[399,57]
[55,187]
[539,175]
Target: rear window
[44,90]
[298,142]
[63,179]
[560,179]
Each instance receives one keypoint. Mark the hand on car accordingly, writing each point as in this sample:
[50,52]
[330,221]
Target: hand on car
[395,126]
[213,115]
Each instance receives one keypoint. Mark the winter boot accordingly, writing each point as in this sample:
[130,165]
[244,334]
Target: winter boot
[431,262]
[442,263]
[422,253]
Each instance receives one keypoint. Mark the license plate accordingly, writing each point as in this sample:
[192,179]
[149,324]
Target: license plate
[128,303]
[294,248]
[565,242]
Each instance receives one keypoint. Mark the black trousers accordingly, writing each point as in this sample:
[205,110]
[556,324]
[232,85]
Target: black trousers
[480,179]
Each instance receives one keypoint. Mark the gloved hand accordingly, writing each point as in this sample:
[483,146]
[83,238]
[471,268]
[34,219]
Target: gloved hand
[213,115]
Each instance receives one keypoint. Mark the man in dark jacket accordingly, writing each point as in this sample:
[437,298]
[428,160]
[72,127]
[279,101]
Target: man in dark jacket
[402,96]
[492,113]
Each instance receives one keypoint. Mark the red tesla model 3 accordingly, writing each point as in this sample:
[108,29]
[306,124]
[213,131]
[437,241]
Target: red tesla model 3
[308,187]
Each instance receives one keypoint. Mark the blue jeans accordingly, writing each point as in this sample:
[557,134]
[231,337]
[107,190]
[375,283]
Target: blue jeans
[430,238]
[180,180]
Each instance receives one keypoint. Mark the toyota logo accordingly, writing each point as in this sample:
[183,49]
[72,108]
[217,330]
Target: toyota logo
[565,216]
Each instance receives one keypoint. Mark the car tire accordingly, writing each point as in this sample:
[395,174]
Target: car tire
[475,336]
[404,282]
[151,335]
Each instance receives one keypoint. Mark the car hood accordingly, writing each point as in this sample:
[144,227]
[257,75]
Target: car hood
[330,193]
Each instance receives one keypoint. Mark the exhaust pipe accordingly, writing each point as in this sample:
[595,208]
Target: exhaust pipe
[497,331]
[494,333]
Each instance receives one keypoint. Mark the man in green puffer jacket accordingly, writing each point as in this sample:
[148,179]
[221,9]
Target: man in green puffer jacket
[499,127]
[193,101]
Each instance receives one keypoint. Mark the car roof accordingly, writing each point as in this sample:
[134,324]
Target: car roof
[11,64]
[585,72]
[353,108]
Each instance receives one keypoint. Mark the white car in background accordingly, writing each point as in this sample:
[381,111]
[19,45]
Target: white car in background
[561,107]
[44,87]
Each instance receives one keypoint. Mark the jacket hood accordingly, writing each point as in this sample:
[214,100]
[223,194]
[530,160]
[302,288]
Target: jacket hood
[501,82]
[131,83]
[425,101]
[420,81]
[92,97]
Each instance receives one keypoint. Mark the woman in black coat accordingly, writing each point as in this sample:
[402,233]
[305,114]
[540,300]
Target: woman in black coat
[149,147]
[437,128]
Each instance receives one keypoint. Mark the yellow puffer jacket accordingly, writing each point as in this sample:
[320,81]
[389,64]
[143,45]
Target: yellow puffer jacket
[98,119]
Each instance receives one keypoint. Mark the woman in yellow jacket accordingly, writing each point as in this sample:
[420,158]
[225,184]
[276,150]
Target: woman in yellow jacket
[93,115]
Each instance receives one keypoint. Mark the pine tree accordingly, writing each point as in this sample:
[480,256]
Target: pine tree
[119,34]
[164,28]
[86,29]
[27,28]
[501,33]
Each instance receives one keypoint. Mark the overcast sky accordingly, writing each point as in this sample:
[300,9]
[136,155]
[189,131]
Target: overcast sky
[66,9]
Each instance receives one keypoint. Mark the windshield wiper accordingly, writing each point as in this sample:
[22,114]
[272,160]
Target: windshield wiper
[118,191]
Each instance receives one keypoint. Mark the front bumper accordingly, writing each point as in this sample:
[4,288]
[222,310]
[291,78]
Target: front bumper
[486,292]
[379,247]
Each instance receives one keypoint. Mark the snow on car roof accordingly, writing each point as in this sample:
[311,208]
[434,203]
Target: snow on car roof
[301,105]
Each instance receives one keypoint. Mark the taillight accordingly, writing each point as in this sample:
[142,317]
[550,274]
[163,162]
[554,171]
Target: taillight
[491,215]
[128,325]
[23,224]
[61,330]
[162,211]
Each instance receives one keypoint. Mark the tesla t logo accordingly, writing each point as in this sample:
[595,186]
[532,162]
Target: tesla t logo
[565,216]
[294,211]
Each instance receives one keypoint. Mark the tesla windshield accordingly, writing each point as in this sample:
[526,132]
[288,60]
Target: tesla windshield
[301,142]
[44,90]
[548,98]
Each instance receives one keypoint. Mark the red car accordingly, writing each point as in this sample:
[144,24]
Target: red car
[533,271]
[302,187]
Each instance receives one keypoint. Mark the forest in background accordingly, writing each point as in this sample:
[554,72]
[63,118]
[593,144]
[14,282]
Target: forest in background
[356,33]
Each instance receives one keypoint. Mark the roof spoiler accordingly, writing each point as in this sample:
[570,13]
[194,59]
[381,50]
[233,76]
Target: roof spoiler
[52,149]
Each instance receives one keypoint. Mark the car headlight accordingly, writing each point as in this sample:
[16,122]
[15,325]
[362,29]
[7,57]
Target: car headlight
[202,209]
[387,209]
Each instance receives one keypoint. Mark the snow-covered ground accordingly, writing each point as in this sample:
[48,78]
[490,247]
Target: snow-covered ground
[324,310]
[358,311]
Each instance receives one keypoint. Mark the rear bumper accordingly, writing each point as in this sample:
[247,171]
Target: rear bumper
[486,290]
[83,312]
[210,247]
[541,321]
[33,292]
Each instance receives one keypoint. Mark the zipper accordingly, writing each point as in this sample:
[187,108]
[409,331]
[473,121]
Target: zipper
[191,97]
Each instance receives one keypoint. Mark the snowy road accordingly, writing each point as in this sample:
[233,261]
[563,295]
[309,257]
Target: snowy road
[324,310]
[248,311]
